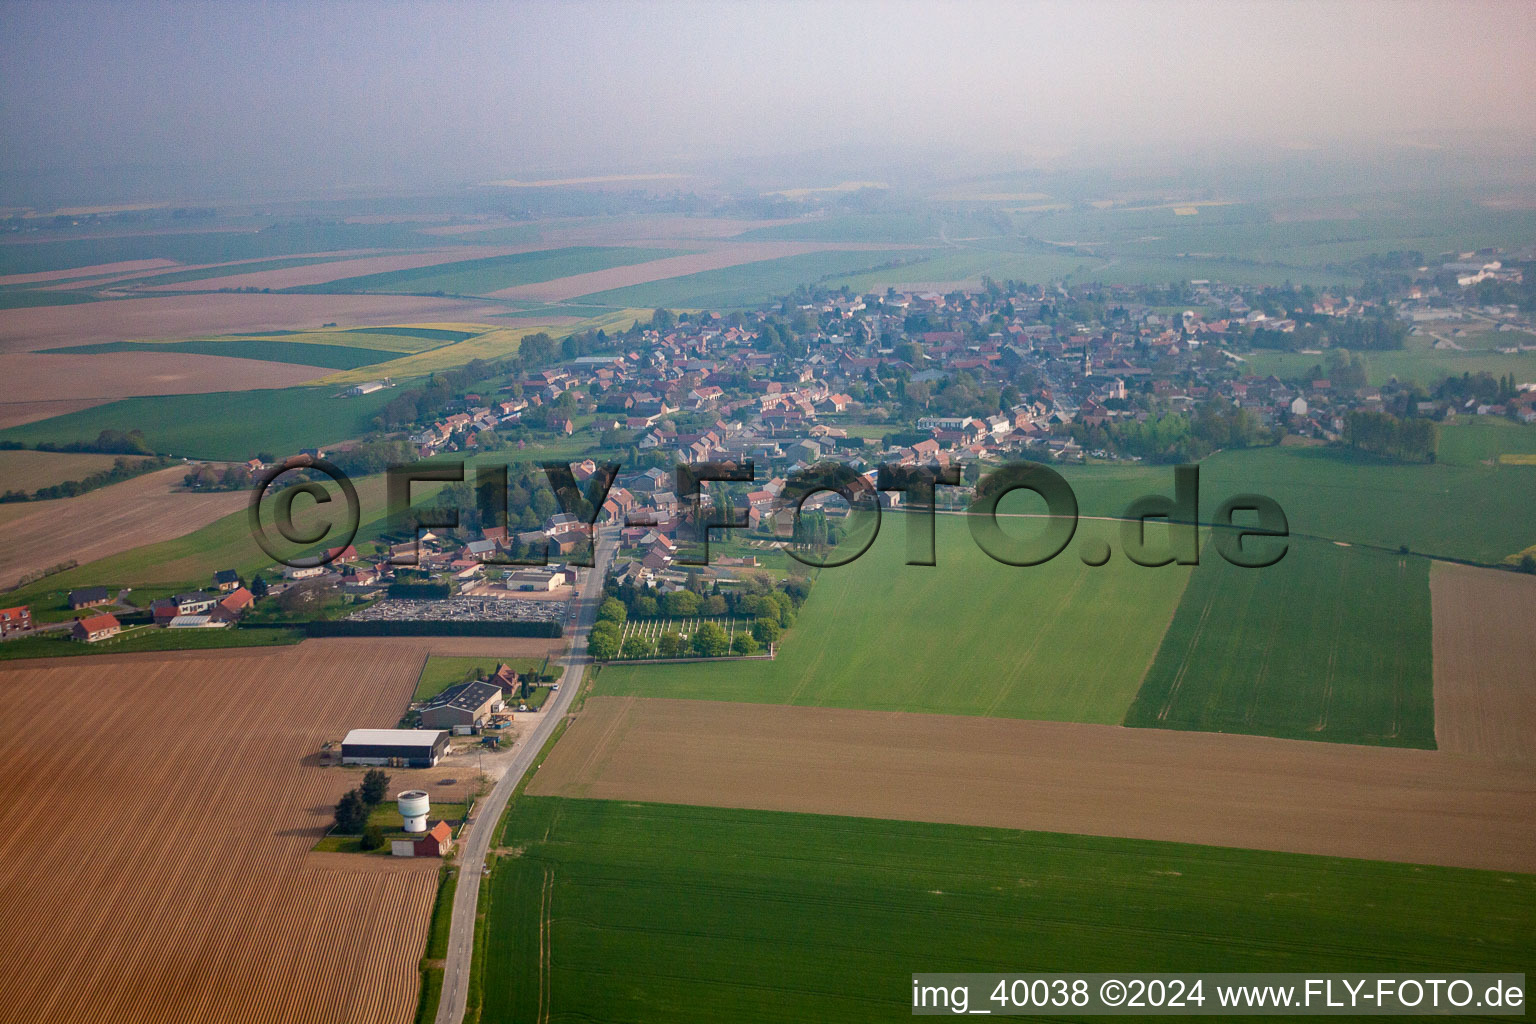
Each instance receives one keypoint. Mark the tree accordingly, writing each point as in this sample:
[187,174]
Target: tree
[639,647]
[612,610]
[603,644]
[681,604]
[767,631]
[744,643]
[373,838]
[671,645]
[259,587]
[1528,564]
[375,787]
[351,812]
[714,605]
[710,641]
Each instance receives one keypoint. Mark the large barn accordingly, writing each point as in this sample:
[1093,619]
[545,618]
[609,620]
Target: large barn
[402,748]
[467,705]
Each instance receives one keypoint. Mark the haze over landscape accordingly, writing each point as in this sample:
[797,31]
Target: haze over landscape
[189,101]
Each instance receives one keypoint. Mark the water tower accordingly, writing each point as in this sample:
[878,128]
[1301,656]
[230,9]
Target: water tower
[413,808]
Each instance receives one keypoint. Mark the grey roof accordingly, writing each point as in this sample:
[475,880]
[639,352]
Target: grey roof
[88,594]
[465,697]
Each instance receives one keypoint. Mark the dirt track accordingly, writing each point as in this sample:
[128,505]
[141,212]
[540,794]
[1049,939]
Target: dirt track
[1214,789]
[1485,661]
[156,862]
[144,510]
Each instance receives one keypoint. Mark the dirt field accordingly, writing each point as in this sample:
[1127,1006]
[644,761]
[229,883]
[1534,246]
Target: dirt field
[1216,789]
[156,863]
[1485,661]
[144,510]
[52,381]
[190,316]
[27,471]
[124,267]
[726,255]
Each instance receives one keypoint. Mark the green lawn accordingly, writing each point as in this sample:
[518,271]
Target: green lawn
[334,357]
[227,425]
[748,283]
[969,636]
[442,671]
[1332,643]
[491,273]
[657,912]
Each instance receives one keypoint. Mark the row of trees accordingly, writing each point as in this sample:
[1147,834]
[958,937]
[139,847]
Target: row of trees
[122,469]
[1410,439]
[353,809]
[771,608]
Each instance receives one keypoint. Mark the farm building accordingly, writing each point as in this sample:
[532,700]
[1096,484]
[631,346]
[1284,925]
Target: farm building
[536,579]
[366,388]
[196,622]
[233,604]
[437,842]
[463,706]
[14,620]
[406,748]
[303,572]
[95,627]
[88,597]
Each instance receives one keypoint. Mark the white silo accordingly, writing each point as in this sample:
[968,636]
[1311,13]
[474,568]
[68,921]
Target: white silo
[414,805]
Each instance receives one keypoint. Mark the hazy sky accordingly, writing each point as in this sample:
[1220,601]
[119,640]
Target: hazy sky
[328,94]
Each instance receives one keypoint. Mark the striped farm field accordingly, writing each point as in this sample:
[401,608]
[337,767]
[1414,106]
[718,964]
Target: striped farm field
[157,862]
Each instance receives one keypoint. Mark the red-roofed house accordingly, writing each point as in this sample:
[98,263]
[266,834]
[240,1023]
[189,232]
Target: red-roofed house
[14,620]
[95,627]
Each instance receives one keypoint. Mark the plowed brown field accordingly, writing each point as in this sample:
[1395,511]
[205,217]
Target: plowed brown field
[1485,661]
[156,860]
[191,316]
[144,510]
[1381,803]
[321,273]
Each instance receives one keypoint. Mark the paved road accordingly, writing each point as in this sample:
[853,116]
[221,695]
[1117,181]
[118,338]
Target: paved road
[461,935]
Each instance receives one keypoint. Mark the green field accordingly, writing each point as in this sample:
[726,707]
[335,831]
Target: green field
[491,273]
[657,912]
[334,357]
[1332,643]
[969,636]
[1422,365]
[223,425]
[1467,511]
[748,283]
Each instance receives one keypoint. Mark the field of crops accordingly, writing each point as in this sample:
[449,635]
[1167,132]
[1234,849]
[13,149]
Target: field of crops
[187,774]
[747,283]
[970,636]
[334,357]
[222,425]
[492,273]
[624,911]
[1332,643]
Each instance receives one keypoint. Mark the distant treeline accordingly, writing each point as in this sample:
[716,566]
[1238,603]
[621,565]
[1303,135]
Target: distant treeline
[122,469]
[108,442]
[1380,433]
